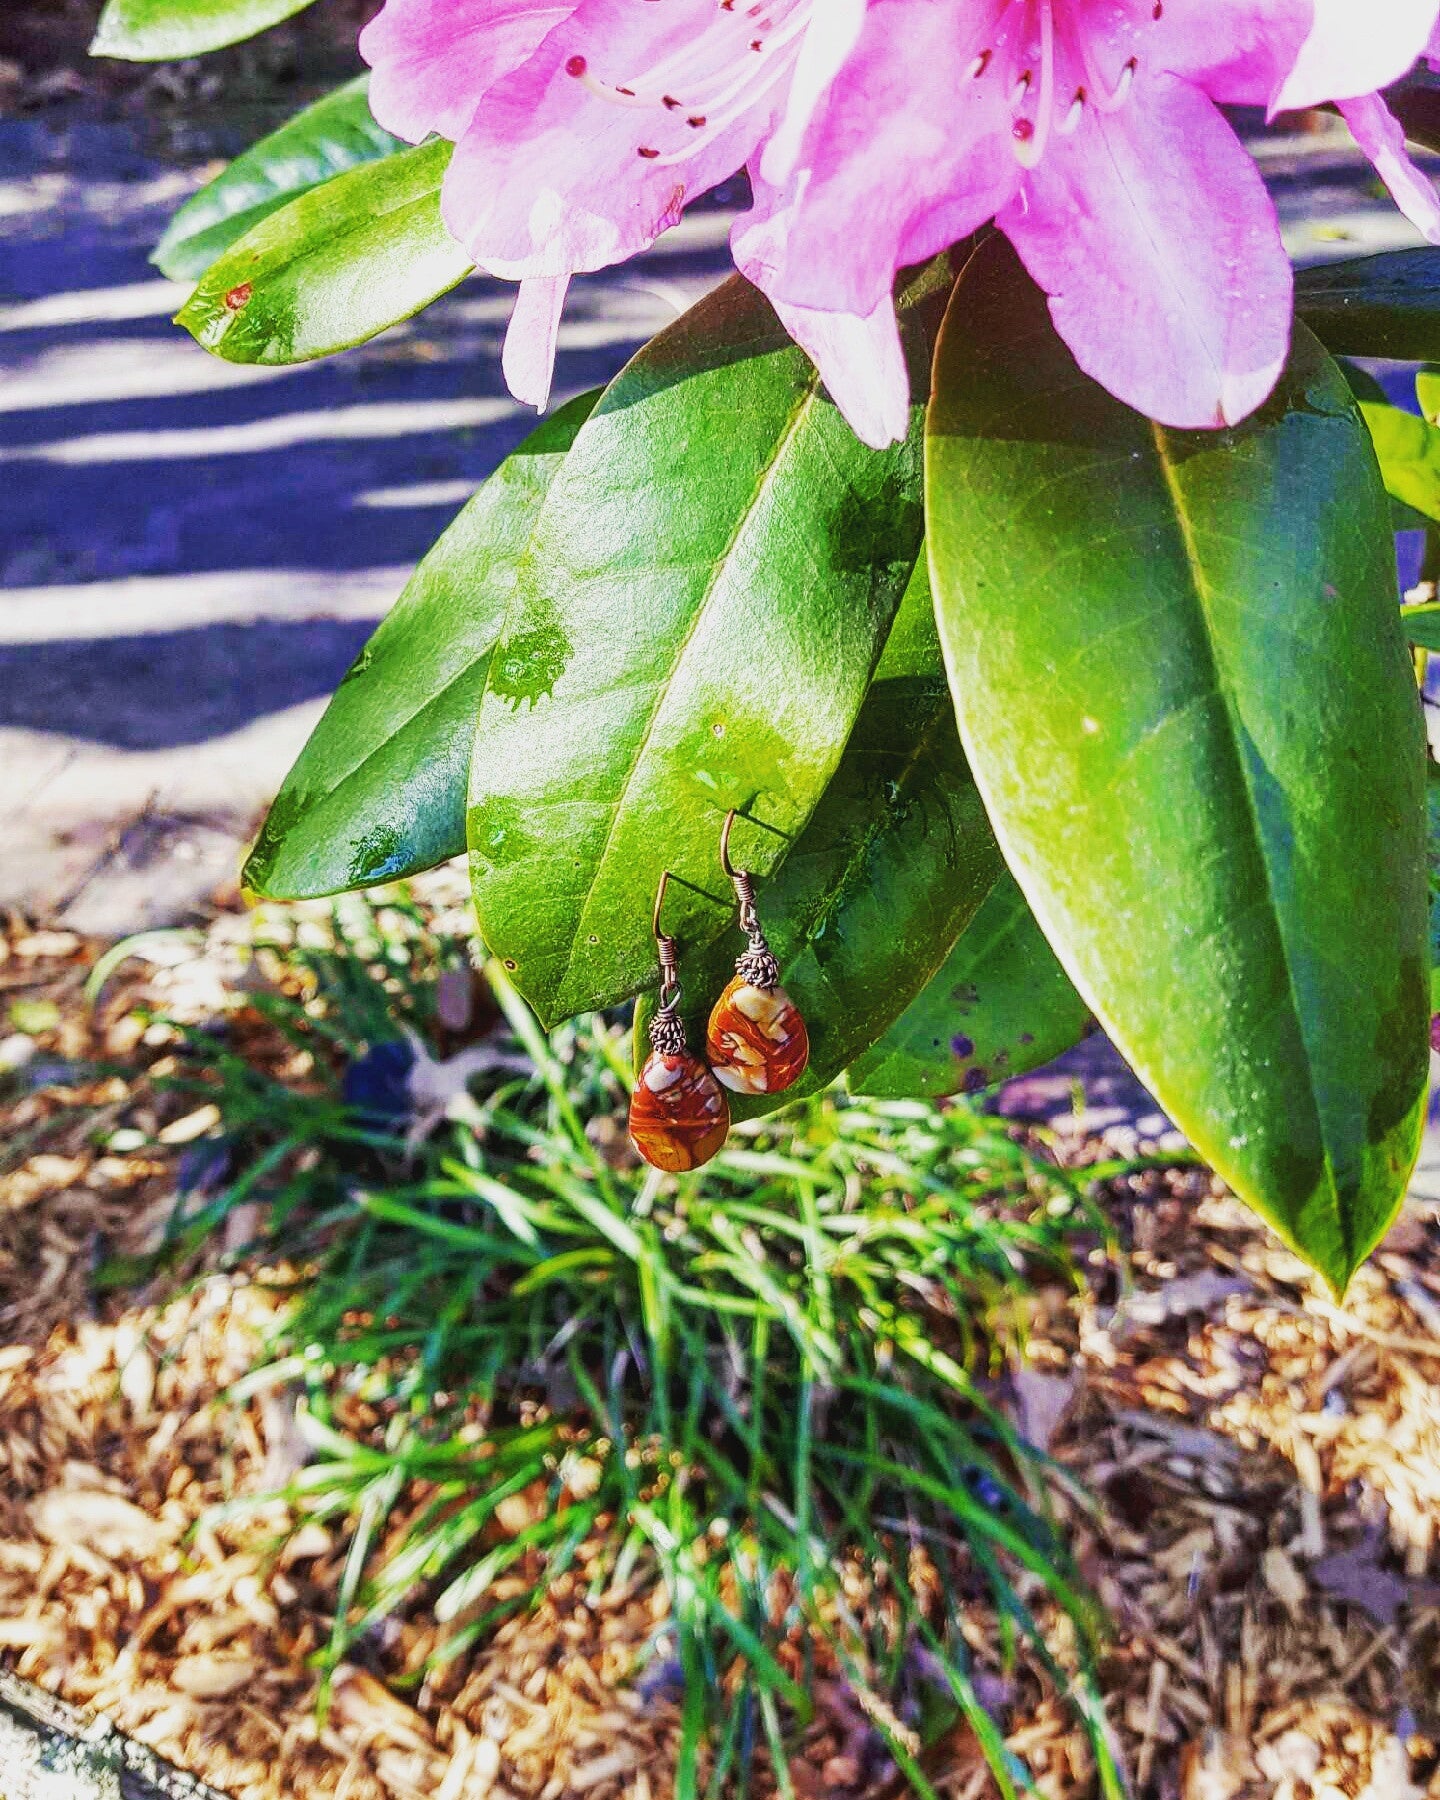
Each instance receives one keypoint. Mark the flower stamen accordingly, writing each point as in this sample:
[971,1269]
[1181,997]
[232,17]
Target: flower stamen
[716,83]
[1030,145]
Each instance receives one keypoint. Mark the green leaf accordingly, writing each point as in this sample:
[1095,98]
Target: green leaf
[335,134]
[1432,864]
[999,1006]
[1427,393]
[157,30]
[1421,624]
[913,646]
[1182,685]
[1403,452]
[1386,305]
[892,867]
[379,790]
[708,589]
[1407,448]
[333,267]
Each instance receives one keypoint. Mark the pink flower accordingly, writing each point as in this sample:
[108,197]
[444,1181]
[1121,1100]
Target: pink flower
[1350,54]
[572,151]
[877,132]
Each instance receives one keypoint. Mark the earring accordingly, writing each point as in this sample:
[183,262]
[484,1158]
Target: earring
[756,1041]
[679,1116]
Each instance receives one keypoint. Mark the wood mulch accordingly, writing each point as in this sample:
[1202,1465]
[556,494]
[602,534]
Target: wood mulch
[1266,1468]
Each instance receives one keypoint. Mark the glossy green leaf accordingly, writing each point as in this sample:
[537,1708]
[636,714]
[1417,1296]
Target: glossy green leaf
[709,587]
[1387,305]
[893,865]
[335,134]
[1407,448]
[379,790]
[1000,1003]
[1212,796]
[1427,393]
[999,1006]
[1421,624]
[157,30]
[1432,864]
[913,646]
[333,267]
[1403,452]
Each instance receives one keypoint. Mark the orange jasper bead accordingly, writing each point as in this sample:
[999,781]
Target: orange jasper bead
[679,1116]
[756,1041]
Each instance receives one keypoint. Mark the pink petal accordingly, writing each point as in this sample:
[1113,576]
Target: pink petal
[1238,51]
[1378,133]
[1355,48]
[907,155]
[553,177]
[434,59]
[861,362]
[1153,235]
[528,359]
[830,38]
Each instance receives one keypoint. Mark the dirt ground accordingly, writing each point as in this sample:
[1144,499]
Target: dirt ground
[1265,1467]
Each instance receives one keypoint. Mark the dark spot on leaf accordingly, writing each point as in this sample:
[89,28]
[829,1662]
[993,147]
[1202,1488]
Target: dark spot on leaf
[497,832]
[527,667]
[962,1045]
[360,665]
[975,1080]
[377,856]
[239,296]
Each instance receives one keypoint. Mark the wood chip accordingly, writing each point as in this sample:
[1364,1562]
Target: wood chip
[1267,1468]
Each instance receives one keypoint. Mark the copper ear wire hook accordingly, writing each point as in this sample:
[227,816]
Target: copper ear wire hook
[741,880]
[725,862]
[670,989]
[655,930]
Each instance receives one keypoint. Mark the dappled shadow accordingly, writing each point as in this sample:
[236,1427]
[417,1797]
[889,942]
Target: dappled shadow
[191,554]
[127,450]
[162,689]
[187,547]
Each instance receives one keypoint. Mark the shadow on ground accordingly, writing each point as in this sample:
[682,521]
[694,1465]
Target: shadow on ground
[192,553]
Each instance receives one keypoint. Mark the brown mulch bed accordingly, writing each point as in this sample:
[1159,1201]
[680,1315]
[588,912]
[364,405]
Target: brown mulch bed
[1266,1466]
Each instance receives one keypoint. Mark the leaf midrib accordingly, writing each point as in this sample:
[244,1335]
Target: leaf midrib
[1203,596]
[718,572]
[338,234]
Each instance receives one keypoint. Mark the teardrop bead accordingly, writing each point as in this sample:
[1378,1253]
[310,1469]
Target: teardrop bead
[679,1116]
[756,1041]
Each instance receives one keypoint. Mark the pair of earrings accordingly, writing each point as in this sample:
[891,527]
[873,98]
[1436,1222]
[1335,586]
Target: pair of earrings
[755,1043]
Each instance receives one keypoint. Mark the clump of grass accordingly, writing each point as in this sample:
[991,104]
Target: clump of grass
[764,1383]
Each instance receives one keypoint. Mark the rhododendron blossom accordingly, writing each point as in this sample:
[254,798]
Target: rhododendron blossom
[877,132]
